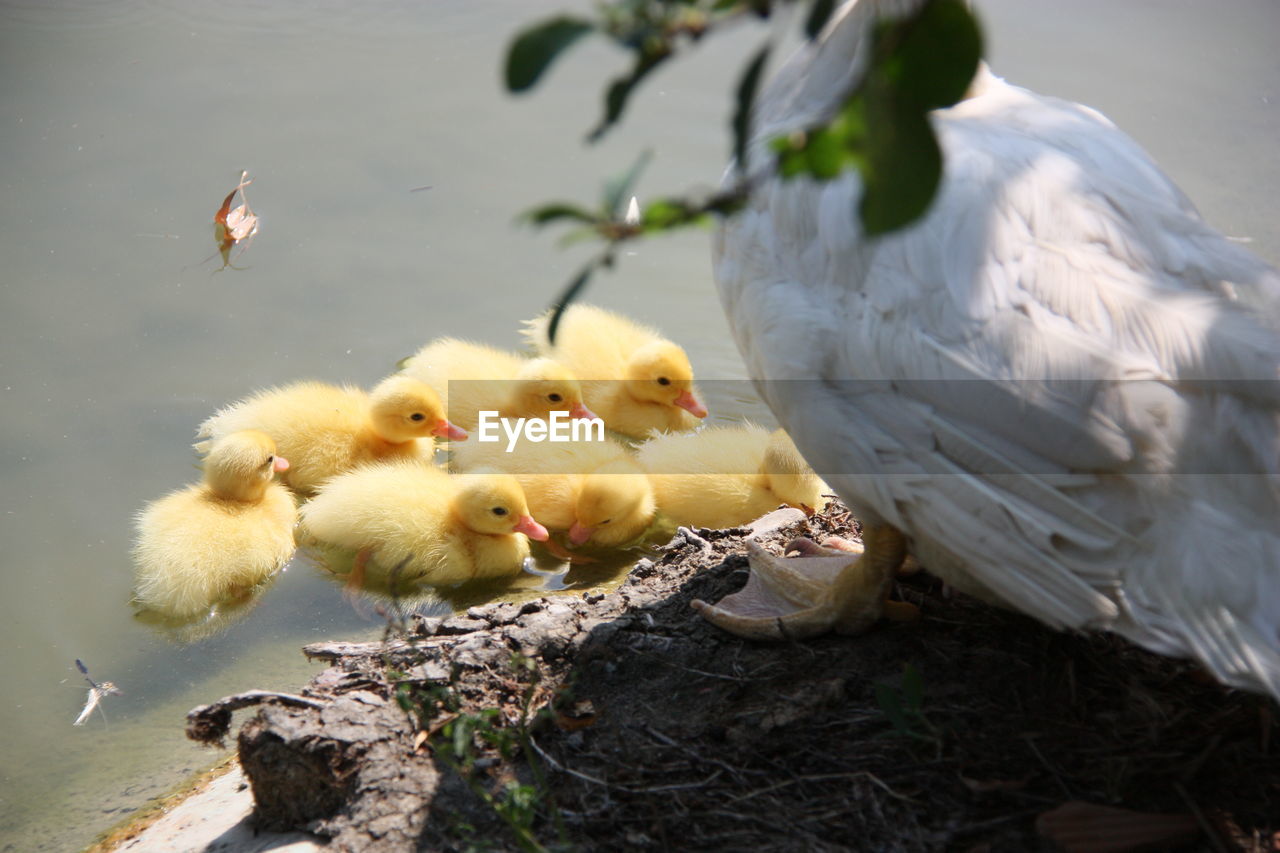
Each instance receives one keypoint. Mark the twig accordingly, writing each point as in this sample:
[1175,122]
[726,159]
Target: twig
[1205,826]
[209,723]
[995,821]
[611,786]
[825,777]
[1035,751]
[737,678]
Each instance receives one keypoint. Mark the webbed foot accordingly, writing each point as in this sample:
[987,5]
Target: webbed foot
[838,588]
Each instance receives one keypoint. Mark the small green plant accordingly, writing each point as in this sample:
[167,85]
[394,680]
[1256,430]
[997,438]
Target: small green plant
[462,737]
[903,707]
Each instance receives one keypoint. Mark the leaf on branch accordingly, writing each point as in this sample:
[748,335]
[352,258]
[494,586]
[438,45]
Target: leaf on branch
[615,99]
[936,59]
[538,46]
[747,88]
[566,299]
[904,167]
[618,188]
[664,213]
[919,64]
[584,235]
[549,213]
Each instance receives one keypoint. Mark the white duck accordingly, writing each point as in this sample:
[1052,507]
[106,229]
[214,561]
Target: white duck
[1057,389]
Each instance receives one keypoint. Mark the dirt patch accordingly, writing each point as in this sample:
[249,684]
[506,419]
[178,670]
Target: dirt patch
[625,721]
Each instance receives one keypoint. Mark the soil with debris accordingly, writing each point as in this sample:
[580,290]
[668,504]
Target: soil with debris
[624,721]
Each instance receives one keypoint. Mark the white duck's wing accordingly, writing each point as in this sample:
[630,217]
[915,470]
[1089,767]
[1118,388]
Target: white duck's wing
[1061,384]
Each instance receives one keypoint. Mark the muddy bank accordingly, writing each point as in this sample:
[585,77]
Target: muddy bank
[625,721]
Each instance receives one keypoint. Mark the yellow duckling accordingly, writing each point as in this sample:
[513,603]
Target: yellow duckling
[220,538]
[326,429]
[593,490]
[728,476]
[472,378]
[433,527]
[602,348]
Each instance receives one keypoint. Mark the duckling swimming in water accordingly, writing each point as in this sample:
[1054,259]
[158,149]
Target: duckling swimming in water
[219,538]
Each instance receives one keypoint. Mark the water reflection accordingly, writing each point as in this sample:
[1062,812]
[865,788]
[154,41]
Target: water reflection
[215,618]
[379,593]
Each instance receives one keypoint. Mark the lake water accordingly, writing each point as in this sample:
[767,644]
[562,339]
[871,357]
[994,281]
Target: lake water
[122,126]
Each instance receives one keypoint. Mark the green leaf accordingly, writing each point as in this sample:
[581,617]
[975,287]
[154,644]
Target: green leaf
[579,235]
[790,155]
[938,55]
[566,299]
[536,48]
[903,168]
[617,190]
[619,91]
[819,14]
[825,154]
[557,211]
[663,214]
[741,123]
[462,740]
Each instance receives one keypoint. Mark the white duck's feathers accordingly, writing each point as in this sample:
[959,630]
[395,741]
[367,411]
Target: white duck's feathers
[1061,383]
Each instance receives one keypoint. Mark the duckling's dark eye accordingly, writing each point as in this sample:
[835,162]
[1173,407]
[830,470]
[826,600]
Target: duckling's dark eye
[555,398]
[417,416]
[606,521]
[270,461]
[499,510]
[662,380]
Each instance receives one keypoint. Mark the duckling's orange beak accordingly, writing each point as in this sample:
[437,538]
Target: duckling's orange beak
[281,464]
[691,404]
[445,429]
[580,410]
[579,533]
[531,528]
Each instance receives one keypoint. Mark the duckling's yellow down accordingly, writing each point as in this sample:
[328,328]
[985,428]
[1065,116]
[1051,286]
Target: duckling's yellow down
[216,539]
[635,379]
[325,429]
[593,490]
[438,528]
[472,378]
[728,476]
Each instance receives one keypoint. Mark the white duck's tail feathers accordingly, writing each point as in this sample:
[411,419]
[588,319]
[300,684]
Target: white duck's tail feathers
[1212,593]
[1232,651]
